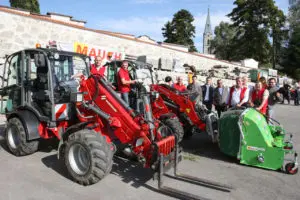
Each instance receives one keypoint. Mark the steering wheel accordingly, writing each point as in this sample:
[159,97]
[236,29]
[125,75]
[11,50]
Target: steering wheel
[61,90]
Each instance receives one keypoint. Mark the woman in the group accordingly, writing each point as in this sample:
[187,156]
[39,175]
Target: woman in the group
[263,80]
[259,98]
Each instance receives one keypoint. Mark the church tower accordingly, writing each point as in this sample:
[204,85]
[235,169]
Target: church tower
[207,36]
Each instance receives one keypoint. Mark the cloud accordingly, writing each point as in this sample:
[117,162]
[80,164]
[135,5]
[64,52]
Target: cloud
[137,26]
[151,26]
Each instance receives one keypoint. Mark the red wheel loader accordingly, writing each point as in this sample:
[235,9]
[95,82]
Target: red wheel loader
[192,113]
[41,101]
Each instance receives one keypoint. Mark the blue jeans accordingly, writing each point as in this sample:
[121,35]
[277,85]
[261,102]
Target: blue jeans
[125,97]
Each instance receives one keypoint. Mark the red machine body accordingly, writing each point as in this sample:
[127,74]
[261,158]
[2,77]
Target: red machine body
[179,103]
[127,127]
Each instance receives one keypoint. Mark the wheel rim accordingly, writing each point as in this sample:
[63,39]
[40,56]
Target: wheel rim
[290,169]
[13,137]
[79,159]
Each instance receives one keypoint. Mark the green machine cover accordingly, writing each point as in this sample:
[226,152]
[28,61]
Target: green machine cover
[246,135]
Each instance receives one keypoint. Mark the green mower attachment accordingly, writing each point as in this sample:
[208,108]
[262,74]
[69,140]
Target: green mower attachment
[247,135]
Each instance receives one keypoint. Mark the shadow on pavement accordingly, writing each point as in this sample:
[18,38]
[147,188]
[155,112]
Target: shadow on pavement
[200,144]
[129,171]
[56,165]
[134,173]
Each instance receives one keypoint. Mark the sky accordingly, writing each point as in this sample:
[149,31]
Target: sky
[142,17]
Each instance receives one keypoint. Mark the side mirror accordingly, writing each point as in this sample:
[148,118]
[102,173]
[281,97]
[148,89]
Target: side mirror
[40,60]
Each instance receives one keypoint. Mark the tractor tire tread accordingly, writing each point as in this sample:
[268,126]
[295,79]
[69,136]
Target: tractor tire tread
[176,127]
[99,151]
[25,147]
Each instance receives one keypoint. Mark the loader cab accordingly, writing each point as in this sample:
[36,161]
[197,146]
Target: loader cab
[40,80]
[113,69]
[137,70]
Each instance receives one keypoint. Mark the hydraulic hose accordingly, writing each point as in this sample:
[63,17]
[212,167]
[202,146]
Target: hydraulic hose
[97,110]
[171,105]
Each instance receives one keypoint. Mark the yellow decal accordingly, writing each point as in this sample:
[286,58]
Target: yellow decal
[188,110]
[92,51]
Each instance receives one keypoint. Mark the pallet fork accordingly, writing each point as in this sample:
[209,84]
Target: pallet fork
[172,161]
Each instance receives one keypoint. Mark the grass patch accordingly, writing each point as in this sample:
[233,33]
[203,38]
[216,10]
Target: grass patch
[189,156]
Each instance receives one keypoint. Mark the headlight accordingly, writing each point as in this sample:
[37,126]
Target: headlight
[157,95]
[76,97]
[79,97]
[154,95]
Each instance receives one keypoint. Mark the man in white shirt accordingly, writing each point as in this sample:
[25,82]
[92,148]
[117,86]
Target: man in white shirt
[245,84]
[238,94]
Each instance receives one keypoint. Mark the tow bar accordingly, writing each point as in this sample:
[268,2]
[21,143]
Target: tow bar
[166,163]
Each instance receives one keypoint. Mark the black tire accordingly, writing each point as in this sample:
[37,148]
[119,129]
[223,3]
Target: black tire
[175,126]
[88,157]
[188,131]
[16,141]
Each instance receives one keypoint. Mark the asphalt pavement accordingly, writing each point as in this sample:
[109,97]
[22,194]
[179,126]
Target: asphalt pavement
[40,176]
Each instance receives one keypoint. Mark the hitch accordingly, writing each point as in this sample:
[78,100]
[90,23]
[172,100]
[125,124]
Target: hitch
[166,163]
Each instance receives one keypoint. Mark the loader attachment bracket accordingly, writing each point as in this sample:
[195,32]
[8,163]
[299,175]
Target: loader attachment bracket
[171,161]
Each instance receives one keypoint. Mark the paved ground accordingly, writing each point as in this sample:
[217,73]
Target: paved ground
[38,176]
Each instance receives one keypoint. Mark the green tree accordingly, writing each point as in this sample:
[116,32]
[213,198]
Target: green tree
[31,5]
[291,57]
[223,42]
[256,21]
[180,30]
[294,15]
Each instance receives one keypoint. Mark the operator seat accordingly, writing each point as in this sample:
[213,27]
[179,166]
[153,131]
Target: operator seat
[40,94]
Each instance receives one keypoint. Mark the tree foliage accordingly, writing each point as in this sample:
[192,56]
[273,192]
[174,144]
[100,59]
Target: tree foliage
[180,30]
[291,54]
[223,42]
[256,21]
[294,15]
[31,5]
[291,60]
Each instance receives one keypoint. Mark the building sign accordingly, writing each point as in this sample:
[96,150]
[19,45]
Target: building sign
[92,51]
[86,49]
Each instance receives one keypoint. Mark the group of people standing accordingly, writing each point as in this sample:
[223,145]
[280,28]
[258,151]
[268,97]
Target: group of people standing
[263,96]
[287,93]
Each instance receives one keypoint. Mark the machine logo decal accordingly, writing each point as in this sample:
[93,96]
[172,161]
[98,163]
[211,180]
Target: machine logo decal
[188,110]
[251,148]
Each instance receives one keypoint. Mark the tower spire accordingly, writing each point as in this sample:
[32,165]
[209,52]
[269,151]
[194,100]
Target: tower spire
[207,35]
[208,29]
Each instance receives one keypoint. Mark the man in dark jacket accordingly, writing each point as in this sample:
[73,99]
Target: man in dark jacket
[220,97]
[286,93]
[208,94]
